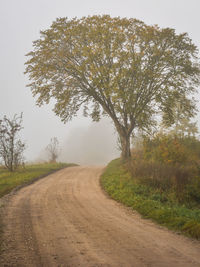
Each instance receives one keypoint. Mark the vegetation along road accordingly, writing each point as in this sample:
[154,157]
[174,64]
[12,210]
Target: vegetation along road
[65,219]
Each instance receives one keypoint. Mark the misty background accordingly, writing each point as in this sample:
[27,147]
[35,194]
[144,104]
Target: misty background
[81,140]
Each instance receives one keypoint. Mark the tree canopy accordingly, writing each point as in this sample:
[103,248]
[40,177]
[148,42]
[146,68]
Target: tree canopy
[116,67]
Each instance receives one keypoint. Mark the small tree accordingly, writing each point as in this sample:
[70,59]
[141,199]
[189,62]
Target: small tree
[11,147]
[53,149]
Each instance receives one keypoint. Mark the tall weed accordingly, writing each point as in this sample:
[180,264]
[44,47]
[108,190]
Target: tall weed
[169,164]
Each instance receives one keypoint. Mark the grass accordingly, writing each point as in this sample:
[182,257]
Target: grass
[10,180]
[150,202]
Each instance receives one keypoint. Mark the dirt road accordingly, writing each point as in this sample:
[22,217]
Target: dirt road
[66,220]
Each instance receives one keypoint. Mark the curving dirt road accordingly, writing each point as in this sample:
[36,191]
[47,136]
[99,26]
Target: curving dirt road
[66,220]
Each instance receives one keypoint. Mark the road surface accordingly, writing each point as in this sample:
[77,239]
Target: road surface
[66,219]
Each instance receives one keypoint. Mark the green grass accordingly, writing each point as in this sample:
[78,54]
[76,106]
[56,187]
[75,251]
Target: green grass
[10,180]
[149,202]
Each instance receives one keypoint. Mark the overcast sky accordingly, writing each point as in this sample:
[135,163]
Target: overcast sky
[20,24]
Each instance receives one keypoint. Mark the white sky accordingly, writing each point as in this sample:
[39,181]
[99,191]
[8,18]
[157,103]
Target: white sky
[20,24]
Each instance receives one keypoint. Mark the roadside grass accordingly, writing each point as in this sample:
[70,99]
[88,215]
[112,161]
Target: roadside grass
[11,180]
[27,175]
[149,202]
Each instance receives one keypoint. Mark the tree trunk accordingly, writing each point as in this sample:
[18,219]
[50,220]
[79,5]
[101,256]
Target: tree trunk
[125,147]
[124,138]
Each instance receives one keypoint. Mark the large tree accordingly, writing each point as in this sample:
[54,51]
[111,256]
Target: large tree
[116,67]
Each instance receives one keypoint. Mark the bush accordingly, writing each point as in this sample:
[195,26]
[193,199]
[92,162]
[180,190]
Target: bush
[166,149]
[169,164]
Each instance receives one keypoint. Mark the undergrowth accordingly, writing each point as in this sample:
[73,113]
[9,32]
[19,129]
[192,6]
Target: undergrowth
[152,202]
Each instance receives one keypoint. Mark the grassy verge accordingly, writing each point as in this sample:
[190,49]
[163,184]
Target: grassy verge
[11,180]
[151,203]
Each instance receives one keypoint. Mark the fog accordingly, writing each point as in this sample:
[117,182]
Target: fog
[96,144]
[81,140]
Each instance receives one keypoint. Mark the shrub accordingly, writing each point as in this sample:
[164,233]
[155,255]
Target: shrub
[166,149]
[169,164]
